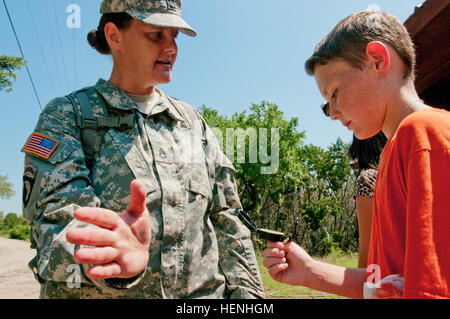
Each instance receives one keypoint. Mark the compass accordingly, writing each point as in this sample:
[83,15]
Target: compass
[267,234]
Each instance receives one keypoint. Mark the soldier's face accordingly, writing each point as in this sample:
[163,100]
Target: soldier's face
[148,53]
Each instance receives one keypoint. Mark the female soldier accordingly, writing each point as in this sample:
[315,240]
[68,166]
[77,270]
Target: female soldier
[177,235]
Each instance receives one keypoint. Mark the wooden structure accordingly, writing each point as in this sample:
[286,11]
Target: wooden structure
[429,28]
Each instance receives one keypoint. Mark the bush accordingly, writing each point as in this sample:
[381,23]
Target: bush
[14,226]
[12,220]
[21,232]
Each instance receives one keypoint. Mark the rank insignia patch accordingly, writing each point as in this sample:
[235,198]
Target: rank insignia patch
[40,145]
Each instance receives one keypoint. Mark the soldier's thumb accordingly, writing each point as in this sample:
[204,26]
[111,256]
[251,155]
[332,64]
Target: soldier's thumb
[137,198]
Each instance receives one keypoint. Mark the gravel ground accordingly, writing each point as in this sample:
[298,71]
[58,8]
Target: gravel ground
[16,279]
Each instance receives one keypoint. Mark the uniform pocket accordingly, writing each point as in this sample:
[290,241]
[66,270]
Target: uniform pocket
[198,180]
[117,164]
[133,155]
[199,187]
[61,153]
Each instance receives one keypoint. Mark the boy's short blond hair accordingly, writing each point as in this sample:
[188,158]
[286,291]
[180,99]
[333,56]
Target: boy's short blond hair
[348,41]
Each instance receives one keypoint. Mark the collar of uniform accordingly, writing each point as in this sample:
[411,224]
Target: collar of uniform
[117,98]
[114,96]
[166,105]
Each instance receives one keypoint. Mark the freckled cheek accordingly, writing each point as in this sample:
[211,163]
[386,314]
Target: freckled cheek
[361,98]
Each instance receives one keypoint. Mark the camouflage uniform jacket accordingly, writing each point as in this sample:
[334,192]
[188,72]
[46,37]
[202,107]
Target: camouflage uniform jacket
[198,249]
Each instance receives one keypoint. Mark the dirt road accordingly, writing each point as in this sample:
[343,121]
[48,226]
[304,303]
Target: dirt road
[16,279]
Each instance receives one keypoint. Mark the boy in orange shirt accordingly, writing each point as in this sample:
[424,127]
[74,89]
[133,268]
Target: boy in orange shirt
[365,70]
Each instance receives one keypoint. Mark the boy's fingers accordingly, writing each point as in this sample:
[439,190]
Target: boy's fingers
[269,262]
[91,236]
[101,217]
[278,244]
[276,270]
[273,252]
[111,270]
[101,255]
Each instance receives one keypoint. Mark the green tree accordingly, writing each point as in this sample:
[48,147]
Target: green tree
[6,190]
[8,66]
[12,220]
[270,167]
[309,195]
[327,205]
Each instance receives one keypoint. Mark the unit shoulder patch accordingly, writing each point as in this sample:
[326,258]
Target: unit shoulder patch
[40,145]
[29,177]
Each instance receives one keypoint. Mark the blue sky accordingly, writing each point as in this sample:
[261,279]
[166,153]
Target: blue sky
[246,51]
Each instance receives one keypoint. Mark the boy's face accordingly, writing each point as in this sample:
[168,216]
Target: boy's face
[353,95]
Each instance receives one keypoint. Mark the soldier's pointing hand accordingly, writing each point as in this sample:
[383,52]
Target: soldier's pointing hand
[120,247]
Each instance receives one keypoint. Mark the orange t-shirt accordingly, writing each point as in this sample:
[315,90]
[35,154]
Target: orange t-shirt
[411,217]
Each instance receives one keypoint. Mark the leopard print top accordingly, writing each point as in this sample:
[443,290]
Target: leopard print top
[365,183]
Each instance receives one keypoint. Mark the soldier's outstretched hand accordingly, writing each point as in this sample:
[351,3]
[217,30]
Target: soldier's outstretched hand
[120,246]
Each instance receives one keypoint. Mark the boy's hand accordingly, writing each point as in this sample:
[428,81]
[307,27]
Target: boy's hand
[287,263]
[390,287]
[122,242]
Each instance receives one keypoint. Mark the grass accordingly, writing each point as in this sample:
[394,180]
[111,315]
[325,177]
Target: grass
[276,290]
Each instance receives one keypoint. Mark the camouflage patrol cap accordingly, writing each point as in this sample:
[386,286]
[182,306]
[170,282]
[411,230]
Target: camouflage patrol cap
[159,13]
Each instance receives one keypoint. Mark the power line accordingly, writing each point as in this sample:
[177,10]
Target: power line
[74,57]
[74,54]
[40,47]
[59,42]
[21,52]
[53,50]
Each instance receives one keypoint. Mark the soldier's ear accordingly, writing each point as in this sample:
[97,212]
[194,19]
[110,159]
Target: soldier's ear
[113,36]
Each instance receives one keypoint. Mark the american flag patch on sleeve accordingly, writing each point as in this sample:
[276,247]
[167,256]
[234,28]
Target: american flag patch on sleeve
[40,145]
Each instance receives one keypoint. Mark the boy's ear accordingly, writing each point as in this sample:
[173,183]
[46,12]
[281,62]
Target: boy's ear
[378,56]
